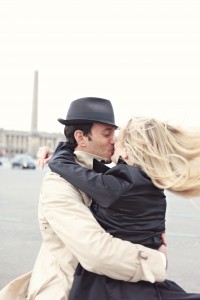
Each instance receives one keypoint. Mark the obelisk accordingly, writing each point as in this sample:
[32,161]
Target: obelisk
[34,137]
[34,119]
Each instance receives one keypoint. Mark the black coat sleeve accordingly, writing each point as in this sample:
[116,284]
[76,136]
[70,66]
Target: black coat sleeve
[104,189]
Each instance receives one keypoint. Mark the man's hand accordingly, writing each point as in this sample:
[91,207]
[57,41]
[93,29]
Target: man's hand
[162,249]
[43,156]
[164,239]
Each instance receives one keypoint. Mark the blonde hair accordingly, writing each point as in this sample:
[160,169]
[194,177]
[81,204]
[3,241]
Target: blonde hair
[169,155]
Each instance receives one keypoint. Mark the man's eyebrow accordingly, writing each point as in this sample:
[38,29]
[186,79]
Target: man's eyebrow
[108,129]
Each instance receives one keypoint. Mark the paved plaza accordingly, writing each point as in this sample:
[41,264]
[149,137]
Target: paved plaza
[21,240]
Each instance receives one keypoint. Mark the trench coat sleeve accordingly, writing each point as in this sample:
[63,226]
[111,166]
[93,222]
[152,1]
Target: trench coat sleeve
[94,248]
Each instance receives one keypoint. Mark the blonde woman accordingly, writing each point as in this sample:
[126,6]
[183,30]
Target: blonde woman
[129,200]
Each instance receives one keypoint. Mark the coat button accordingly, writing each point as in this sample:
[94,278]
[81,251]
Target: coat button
[143,255]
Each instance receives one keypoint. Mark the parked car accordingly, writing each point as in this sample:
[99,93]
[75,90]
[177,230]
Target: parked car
[23,162]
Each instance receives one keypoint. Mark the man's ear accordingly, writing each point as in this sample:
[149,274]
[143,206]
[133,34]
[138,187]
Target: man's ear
[79,137]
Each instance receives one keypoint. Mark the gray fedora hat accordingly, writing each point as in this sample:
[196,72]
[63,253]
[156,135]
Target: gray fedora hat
[89,110]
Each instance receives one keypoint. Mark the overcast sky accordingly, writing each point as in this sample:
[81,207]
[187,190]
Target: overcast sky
[142,55]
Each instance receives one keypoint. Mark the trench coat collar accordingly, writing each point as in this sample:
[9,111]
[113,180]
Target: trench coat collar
[85,159]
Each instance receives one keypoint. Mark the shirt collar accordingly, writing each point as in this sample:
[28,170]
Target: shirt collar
[86,159]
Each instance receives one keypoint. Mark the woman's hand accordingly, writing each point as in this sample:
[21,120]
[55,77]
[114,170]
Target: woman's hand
[43,156]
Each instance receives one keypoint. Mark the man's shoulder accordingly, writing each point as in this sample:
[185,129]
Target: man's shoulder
[51,174]
[54,178]
[53,184]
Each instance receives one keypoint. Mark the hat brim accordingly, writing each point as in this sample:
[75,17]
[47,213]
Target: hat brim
[84,121]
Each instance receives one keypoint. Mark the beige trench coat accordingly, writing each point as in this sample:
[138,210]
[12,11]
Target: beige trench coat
[71,234]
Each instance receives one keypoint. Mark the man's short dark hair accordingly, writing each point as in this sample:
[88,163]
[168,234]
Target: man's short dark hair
[70,129]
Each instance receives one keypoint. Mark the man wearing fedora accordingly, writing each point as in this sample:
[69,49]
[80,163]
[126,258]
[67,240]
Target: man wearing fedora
[69,231]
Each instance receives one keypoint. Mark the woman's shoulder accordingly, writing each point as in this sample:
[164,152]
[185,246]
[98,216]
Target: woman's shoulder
[132,174]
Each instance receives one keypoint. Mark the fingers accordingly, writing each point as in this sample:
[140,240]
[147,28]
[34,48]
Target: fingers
[164,239]
[40,163]
[43,152]
[43,155]
[162,249]
[40,157]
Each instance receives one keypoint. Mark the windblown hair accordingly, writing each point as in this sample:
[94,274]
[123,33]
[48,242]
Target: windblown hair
[169,155]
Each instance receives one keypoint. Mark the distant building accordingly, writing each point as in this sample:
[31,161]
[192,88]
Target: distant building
[15,142]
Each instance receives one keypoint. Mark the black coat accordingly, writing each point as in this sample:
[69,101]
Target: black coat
[125,201]
[128,205]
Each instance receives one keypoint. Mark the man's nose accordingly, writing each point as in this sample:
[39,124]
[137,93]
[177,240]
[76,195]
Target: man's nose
[112,140]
